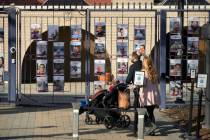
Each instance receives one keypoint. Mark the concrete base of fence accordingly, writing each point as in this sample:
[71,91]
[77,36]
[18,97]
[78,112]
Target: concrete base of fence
[141,113]
[75,121]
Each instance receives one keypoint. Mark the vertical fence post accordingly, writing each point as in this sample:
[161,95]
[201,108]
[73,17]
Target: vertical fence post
[12,44]
[141,113]
[75,121]
[163,58]
[207,105]
[87,64]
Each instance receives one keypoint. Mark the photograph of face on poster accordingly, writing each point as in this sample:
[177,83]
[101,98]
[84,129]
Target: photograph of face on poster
[99,67]
[58,66]
[194,26]
[98,86]
[100,29]
[58,83]
[42,84]
[139,44]
[176,45]
[75,49]
[36,32]
[53,32]
[175,88]
[175,25]
[122,65]
[139,31]
[1,34]
[58,49]
[41,49]
[192,45]
[1,62]
[122,48]
[192,64]
[122,31]
[75,69]
[99,50]
[76,32]
[41,67]
[175,67]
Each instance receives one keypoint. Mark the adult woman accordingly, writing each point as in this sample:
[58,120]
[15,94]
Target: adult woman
[149,96]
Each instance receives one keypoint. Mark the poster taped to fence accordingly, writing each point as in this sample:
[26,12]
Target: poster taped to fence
[122,48]
[100,48]
[192,45]
[122,65]
[58,83]
[194,26]
[139,31]
[138,44]
[58,49]
[76,32]
[53,32]
[75,69]
[36,32]
[41,67]
[139,78]
[122,31]
[99,67]
[41,49]
[1,34]
[98,86]
[100,29]
[122,78]
[175,67]
[58,66]
[75,49]
[176,45]
[175,25]
[202,81]
[42,84]
[175,88]
[192,64]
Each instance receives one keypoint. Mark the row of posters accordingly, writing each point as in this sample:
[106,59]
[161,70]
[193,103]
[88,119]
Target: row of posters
[99,55]
[1,59]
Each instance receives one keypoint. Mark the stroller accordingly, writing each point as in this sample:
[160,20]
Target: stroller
[104,106]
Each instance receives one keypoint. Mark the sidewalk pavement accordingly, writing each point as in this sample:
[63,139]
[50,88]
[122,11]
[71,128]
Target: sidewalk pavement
[44,123]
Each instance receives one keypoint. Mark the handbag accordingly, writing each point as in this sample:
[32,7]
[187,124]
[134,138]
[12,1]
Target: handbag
[124,99]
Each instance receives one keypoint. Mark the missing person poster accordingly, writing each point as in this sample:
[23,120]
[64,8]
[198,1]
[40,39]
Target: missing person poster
[53,32]
[99,67]
[175,67]
[122,31]
[42,84]
[36,32]
[75,69]
[41,67]
[138,44]
[98,86]
[76,32]
[122,78]
[100,29]
[176,43]
[175,88]
[192,64]
[58,83]
[100,49]
[192,45]
[122,48]
[194,26]
[58,66]
[1,34]
[122,65]
[175,25]
[139,32]
[75,49]
[58,49]
[41,49]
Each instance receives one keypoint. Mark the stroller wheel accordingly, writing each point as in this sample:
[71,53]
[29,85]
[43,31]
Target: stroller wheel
[125,120]
[89,120]
[108,122]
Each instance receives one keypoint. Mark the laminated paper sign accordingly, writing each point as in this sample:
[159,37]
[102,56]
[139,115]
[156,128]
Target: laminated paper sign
[139,78]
